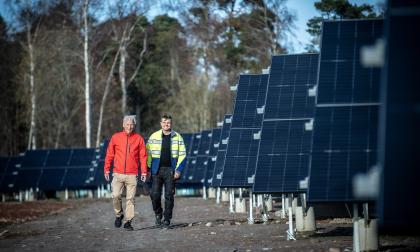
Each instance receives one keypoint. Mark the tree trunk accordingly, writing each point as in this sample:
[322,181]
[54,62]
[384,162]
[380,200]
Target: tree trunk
[123,82]
[32,128]
[88,108]
[104,97]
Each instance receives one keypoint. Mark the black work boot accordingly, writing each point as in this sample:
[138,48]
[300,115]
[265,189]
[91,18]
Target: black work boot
[158,221]
[118,221]
[128,226]
[166,224]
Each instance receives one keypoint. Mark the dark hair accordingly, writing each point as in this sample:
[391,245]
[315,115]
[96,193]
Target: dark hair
[166,116]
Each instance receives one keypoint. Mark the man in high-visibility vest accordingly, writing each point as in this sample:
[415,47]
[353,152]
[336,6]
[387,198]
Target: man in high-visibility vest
[166,160]
[127,150]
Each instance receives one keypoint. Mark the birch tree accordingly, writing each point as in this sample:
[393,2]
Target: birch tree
[88,100]
[128,26]
[27,13]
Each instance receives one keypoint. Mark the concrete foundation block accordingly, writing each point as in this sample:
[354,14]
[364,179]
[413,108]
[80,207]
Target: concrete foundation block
[305,222]
[212,193]
[240,205]
[225,195]
[269,203]
[368,235]
[294,205]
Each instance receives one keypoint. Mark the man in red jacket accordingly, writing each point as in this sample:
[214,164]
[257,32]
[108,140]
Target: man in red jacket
[127,150]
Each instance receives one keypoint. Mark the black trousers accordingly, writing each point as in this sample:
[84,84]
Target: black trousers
[165,176]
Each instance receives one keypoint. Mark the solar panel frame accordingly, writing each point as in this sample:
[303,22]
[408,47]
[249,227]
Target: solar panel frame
[191,159]
[221,152]
[399,123]
[284,148]
[346,113]
[211,159]
[242,149]
[197,176]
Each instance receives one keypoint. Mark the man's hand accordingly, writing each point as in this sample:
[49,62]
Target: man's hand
[143,177]
[177,175]
[107,176]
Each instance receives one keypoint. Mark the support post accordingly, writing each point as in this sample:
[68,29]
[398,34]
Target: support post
[204,192]
[356,242]
[283,206]
[66,194]
[290,232]
[251,217]
[218,195]
[231,200]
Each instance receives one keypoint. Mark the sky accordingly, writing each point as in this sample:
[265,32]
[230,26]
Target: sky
[303,10]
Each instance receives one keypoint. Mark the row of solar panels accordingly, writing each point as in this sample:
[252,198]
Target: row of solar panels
[53,169]
[322,117]
[312,116]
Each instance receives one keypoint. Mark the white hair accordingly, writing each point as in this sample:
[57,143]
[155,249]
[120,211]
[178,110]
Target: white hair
[131,118]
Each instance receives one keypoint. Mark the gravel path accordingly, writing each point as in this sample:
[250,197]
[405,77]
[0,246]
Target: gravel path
[89,227]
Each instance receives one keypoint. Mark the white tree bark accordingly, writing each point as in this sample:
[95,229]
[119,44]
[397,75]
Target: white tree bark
[125,40]
[104,98]
[123,83]
[32,128]
[88,108]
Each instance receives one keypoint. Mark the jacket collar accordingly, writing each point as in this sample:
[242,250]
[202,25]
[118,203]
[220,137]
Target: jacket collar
[173,133]
[132,133]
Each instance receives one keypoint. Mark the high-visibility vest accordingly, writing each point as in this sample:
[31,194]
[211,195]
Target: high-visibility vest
[178,152]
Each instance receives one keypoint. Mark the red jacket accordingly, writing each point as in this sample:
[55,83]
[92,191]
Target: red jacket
[126,151]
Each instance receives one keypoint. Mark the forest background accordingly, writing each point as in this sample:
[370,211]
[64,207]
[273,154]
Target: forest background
[71,69]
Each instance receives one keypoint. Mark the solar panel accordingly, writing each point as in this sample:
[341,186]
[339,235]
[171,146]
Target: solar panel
[345,125]
[102,150]
[58,158]
[242,149]
[187,141]
[286,133]
[4,162]
[76,178]
[221,152]
[8,177]
[211,159]
[99,178]
[51,179]
[82,157]
[28,178]
[191,159]
[198,174]
[34,158]
[399,154]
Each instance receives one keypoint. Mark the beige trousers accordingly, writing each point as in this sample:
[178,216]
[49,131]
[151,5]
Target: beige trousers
[119,181]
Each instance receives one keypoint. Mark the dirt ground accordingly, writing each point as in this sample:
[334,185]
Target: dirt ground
[197,225]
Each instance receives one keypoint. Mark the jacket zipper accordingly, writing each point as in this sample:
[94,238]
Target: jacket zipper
[125,160]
